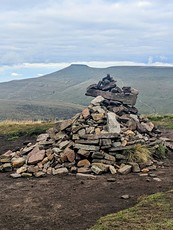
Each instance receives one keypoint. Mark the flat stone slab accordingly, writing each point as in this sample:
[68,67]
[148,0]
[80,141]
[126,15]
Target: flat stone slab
[87,147]
[36,155]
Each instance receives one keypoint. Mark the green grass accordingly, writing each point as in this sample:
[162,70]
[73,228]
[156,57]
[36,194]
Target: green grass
[151,213]
[162,120]
[16,129]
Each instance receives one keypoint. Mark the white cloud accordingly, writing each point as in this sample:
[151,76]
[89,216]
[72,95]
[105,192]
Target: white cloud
[15,74]
[78,30]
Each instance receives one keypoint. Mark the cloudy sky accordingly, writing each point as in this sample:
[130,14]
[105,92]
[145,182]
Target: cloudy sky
[42,36]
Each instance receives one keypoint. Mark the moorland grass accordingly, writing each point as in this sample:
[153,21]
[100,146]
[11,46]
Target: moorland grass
[15,129]
[162,120]
[151,213]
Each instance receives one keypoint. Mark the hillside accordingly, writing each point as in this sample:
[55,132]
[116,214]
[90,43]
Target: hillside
[61,94]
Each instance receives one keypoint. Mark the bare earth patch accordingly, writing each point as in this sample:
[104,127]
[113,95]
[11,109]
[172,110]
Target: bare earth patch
[68,202]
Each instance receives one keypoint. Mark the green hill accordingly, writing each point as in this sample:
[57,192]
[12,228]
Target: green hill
[61,94]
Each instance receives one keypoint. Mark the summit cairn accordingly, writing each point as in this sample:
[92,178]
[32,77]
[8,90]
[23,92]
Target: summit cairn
[108,136]
[108,89]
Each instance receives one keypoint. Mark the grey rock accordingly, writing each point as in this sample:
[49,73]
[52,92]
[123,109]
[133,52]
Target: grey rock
[152,167]
[148,126]
[75,137]
[103,167]
[87,147]
[116,144]
[119,156]
[26,175]
[87,142]
[86,176]
[135,117]
[42,137]
[60,171]
[109,157]
[81,132]
[63,144]
[157,179]
[125,197]
[96,170]
[98,109]
[26,150]
[103,161]
[112,169]
[15,175]
[113,124]
[39,174]
[101,136]
[83,152]
[111,179]
[56,150]
[65,124]
[84,170]
[132,124]
[105,142]
[5,159]
[135,167]
[98,155]
[7,167]
[125,169]
[21,170]
[152,174]
[143,174]
[97,100]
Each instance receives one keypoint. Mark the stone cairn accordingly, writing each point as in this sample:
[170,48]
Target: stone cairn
[96,141]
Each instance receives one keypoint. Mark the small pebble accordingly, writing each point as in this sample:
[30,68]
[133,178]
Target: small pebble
[157,179]
[152,175]
[111,179]
[125,197]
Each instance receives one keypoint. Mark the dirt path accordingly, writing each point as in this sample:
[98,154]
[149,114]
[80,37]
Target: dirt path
[67,202]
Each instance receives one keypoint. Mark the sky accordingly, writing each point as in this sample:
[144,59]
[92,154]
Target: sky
[43,36]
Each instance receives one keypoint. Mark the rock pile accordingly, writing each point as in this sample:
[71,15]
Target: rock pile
[96,141]
[108,89]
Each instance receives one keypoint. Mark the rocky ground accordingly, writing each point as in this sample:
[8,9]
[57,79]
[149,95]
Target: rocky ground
[67,202]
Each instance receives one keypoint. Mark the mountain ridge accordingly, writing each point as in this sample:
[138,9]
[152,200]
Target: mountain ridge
[68,85]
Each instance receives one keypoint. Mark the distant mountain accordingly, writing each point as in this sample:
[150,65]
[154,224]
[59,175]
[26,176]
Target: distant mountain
[61,94]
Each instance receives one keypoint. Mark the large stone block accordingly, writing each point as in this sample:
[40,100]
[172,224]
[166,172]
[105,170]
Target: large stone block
[113,124]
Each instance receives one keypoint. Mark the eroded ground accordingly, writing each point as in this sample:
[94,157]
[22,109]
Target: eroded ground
[68,202]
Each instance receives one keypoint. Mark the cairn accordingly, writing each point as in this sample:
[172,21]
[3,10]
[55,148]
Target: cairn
[96,141]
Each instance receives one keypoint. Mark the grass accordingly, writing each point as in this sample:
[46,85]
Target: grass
[151,213]
[15,129]
[162,120]
[161,152]
[139,153]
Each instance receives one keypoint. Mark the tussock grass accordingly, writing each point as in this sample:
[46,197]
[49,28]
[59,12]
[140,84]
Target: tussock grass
[151,213]
[139,153]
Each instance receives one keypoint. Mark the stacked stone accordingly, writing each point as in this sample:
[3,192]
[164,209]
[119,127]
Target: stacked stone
[92,142]
[108,89]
